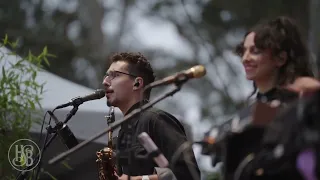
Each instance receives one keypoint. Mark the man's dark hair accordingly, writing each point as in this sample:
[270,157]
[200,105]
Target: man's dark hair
[138,65]
[278,35]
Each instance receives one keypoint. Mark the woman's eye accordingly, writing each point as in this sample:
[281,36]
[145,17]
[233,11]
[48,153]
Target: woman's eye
[256,51]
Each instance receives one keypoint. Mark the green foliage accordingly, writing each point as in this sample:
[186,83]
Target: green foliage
[20,96]
[214,176]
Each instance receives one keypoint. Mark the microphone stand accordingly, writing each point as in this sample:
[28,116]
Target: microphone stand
[50,130]
[54,130]
[117,123]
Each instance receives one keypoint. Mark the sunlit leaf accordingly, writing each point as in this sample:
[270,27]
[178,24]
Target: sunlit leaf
[45,50]
[51,176]
[65,164]
[46,61]
[5,40]
[30,56]
[14,44]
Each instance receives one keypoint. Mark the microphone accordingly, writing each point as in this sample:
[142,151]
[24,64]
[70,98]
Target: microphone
[153,150]
[194,72]
[64,132]
[98,94]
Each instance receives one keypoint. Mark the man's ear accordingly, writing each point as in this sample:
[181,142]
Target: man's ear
[283,57]
[138,83]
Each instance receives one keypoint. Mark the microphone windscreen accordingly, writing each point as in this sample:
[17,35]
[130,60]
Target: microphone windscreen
[198,71]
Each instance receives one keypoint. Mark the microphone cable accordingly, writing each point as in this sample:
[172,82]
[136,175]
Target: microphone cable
[43,121]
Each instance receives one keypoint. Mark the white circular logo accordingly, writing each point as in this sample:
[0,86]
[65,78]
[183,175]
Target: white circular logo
[23,153]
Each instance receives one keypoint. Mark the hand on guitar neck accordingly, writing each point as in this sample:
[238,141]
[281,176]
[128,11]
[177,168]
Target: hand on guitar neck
[304,86]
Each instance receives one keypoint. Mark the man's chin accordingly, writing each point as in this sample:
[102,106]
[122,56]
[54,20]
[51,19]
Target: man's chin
[109,103]
[250,77]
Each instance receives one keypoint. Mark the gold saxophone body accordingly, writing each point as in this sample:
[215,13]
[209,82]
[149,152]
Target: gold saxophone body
[106,161]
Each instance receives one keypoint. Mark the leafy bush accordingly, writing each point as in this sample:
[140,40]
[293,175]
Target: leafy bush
[20,97]
[214,176]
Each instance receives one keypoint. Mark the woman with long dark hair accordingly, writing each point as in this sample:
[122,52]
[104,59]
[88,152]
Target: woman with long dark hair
[274,56]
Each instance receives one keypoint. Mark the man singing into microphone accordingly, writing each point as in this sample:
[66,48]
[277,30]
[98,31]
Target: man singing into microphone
[125,79]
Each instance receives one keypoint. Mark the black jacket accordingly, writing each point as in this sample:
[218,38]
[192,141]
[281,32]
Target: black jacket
[238,146]
[167,133]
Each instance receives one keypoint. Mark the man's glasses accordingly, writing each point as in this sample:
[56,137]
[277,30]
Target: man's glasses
[112,74]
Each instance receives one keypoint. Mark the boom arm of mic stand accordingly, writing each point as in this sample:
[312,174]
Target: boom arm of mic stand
[114,126]
[179,80]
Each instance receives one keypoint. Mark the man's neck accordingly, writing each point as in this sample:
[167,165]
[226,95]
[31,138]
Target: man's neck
[125,108]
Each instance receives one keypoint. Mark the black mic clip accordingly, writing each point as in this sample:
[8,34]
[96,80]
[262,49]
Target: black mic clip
[51,130]
[63,131]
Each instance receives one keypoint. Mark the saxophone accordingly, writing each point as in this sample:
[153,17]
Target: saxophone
[105,161]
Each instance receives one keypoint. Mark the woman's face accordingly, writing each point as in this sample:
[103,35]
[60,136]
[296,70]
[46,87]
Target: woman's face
[259,64]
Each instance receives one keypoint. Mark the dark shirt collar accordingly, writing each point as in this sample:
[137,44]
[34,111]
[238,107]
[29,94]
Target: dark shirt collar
[277,93]
[268,96]
[133,120]
[135,106]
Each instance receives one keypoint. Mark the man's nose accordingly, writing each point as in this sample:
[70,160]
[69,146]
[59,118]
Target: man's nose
[106,81]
